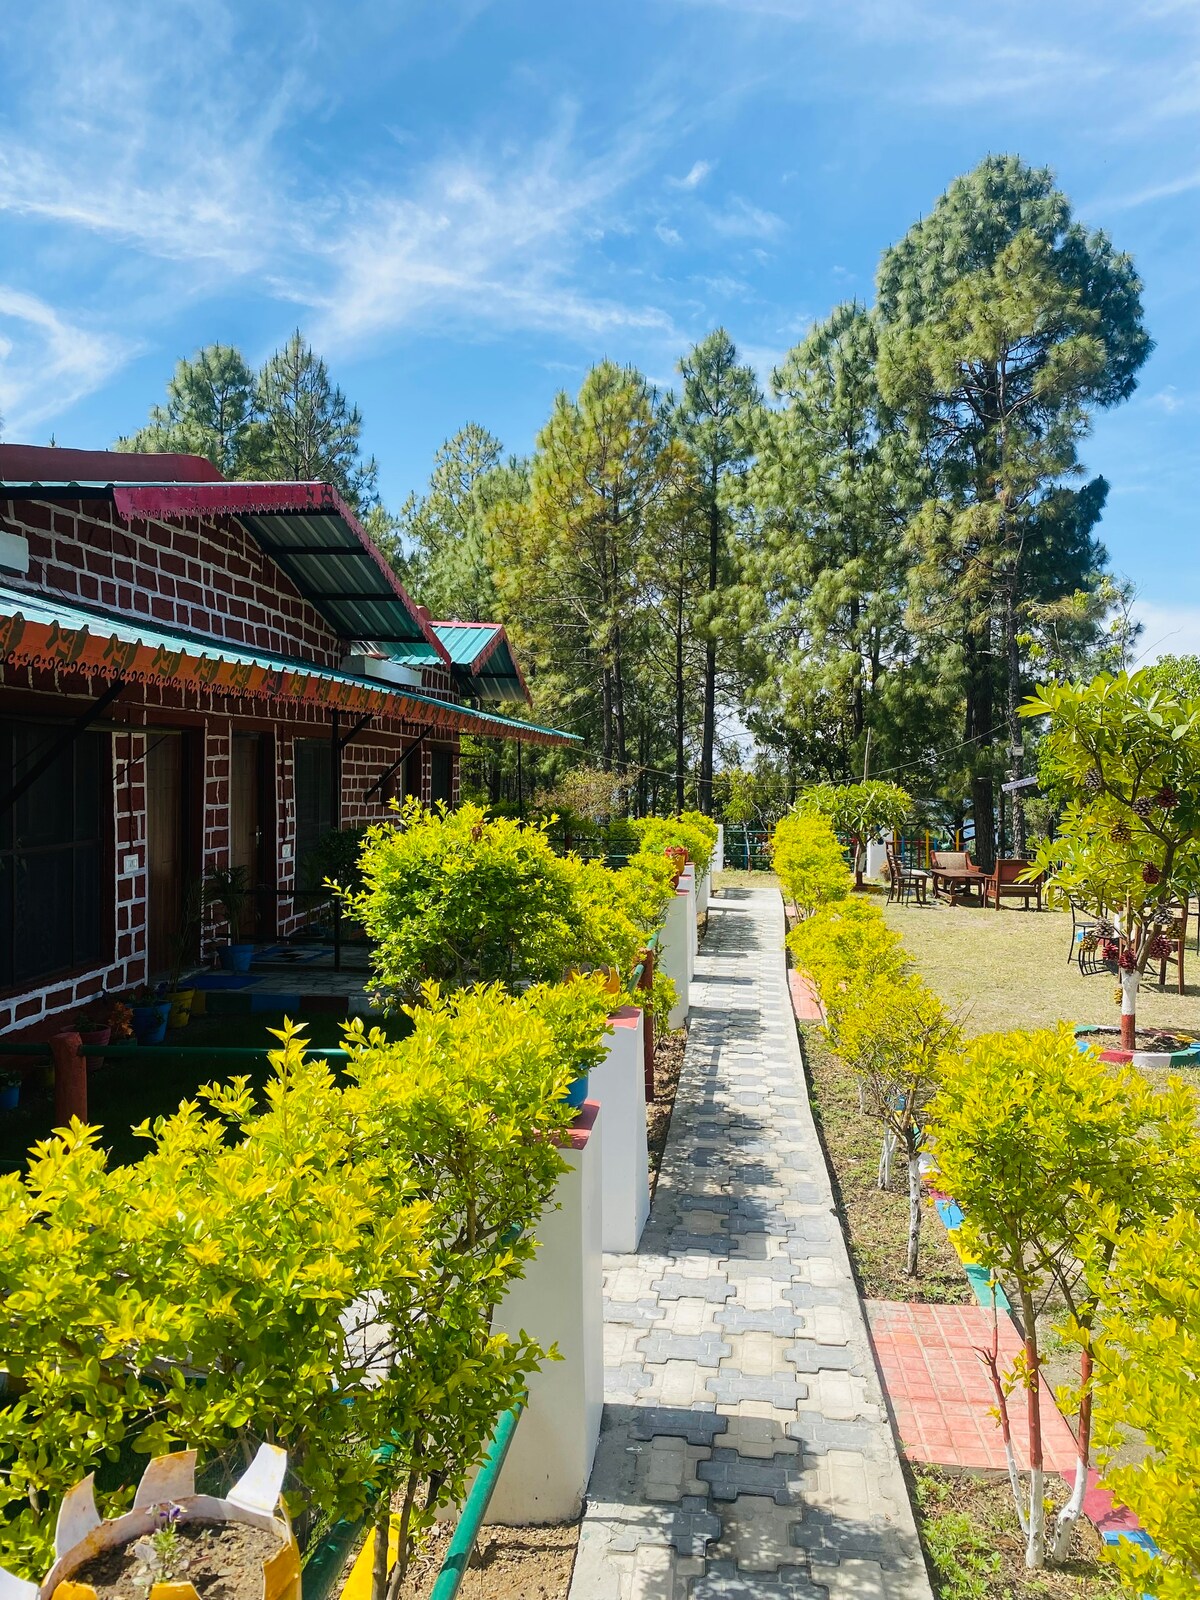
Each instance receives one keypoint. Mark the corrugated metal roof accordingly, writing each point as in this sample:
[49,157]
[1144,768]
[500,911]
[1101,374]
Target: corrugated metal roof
[306,528]
[45,630]
[480,653]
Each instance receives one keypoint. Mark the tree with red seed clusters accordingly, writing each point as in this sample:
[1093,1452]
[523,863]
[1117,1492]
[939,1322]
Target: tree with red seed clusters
[1123,753]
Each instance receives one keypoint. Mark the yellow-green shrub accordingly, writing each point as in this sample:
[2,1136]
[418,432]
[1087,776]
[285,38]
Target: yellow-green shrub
[460,897]
[844,945]
[809,861]
[318,1268]
[692,830]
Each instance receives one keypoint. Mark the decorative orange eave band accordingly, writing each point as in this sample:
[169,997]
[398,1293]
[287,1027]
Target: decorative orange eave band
[50,645]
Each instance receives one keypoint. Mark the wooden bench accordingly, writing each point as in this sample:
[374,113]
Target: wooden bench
[1005,881]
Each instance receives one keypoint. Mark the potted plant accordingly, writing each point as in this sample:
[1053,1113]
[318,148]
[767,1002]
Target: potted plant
[93,1023]
[175,1543]
[229,888]
[150,1016]
[183,953]
[10,1088]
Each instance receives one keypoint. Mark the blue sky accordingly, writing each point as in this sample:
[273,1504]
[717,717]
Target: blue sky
[464,204]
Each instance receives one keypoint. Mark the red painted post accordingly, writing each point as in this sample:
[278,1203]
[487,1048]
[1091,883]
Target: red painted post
[647,982]
[70,1078]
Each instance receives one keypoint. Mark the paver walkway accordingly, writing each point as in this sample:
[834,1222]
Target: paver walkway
[745,1450]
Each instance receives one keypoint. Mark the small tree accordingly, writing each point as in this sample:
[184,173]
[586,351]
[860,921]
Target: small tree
[1125,754]
[809,861]
[859,812]
[1146,1361]
[895,1034]
[1052,1161]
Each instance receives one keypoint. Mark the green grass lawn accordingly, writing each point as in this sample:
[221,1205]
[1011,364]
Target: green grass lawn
[1009,969]
[128,1089]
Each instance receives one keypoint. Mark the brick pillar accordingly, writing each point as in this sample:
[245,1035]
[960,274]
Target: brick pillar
[70,1078]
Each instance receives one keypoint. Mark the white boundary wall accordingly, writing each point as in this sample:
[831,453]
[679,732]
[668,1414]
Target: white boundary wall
[560,1300]
[619,1083]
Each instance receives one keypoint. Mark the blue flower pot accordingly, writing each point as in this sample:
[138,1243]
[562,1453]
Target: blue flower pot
[10,1097]
[237,957]
[578,1092]
[150,1021]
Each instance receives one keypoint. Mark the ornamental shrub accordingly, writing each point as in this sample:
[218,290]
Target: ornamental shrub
[692,829]
[1146,1362]
[1053,1162]
[461,898]
[319,1270]
[844,945]
[809,861]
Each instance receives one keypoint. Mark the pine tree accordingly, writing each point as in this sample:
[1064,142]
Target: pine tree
[209,412]
[1005,324]
[309,430]
[716,419]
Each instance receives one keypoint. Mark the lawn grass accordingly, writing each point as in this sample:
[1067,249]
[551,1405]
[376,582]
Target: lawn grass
[1008,969]
[876,1220]
[125,1090]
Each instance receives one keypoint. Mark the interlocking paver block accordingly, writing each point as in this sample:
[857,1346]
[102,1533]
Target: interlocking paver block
[697,1427]
[730,1475]
[723,1581]
[739,1309]
[672,1286]
[757,1533]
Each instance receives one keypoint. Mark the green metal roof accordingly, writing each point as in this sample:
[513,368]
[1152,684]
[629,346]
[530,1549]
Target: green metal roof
[481,655]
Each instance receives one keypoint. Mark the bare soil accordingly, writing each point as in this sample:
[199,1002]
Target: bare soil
[974,1548]
[1144,1039]
[876,1220]
[508,1564]
[668,1064]
[222,1560]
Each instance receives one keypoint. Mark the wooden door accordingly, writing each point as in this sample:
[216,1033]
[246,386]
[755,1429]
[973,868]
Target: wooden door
[164,848]
[245,823]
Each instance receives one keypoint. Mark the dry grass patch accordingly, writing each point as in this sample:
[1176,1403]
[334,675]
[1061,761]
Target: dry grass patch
[1009,969]
[876,1220]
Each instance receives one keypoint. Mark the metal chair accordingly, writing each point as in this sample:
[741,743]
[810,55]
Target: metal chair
[904,882]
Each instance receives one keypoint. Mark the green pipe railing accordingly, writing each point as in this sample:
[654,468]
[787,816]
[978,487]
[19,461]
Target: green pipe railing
[454,1566]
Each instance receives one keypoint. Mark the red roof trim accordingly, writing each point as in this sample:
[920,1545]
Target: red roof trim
[264,499]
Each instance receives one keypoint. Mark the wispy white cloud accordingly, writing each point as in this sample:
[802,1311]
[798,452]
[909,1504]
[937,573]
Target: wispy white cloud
[668,235]
[741,219]
[694,177]
[1131,199]
[1167,630]
[47,361]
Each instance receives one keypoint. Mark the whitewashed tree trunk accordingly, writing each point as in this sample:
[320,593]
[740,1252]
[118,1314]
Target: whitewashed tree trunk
[1064,1526]
[886,1153]
[1035,1545]
[914,1211]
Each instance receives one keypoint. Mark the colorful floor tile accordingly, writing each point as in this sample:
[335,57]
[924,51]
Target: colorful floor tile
[940,1395]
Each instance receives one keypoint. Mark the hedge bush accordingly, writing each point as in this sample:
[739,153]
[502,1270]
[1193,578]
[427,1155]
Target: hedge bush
[319,1271]
[809,861]
[462,898]
[695,832]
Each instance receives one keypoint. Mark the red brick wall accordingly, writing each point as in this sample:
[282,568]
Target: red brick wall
[205,575]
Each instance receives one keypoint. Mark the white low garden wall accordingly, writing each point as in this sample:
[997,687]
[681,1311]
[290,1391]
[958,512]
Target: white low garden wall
[674,953]
[619,1084]
[560,1301]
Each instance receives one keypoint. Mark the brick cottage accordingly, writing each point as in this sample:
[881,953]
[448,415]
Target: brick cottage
[196,674]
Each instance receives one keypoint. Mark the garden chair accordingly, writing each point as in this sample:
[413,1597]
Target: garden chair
[1178,938]
[1083,923]
[1005,881]
[904,882]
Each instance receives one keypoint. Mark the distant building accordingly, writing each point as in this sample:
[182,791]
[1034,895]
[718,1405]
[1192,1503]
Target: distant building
[197,673]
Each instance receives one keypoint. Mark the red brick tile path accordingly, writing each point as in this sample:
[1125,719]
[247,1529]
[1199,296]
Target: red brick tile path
[805,1005]
[940,1394]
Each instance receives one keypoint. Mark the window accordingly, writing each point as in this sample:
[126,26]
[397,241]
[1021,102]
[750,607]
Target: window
[442,776]
[314,814]
[51,855]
